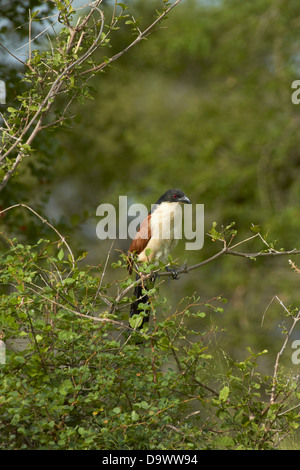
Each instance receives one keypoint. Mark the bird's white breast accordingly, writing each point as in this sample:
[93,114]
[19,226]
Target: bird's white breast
[165,224]
[164,220]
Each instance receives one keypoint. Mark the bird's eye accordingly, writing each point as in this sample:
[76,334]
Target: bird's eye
[175,196]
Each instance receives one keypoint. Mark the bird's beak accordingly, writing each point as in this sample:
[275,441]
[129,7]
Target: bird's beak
[184,200]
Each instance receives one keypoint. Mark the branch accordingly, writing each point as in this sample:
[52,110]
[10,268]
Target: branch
[271,252]
[263,253]
[35,123]
[62,238]
[82,315]
[142,35]
[48,101]
[227,251]
[279,354]
[15,57]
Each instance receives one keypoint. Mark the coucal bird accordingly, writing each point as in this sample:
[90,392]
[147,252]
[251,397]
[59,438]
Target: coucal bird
[155,239]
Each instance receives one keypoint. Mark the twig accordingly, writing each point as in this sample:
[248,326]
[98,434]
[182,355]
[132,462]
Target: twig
[79,314]
[187,269]
[62,238]
[244,241]
[34,125]
[29,53]
[139,38]
[279,354]
[15,57]
[260,254]
[103,273]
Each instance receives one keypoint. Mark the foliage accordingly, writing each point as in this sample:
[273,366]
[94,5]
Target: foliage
[64,70]
[77,376]
[205,104]
[54,77]
[13,33]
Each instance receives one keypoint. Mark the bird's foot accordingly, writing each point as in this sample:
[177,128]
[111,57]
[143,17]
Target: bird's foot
[173,271]
[154,276]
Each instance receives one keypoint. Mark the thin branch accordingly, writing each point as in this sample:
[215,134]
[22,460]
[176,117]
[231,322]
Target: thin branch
[15,57]
[82,315]
[187,269]
[290,409]
[39,34]
[62,238]
[36,121]
[244,241]
[103,273]
[279,354]
[140,37]
[260,254]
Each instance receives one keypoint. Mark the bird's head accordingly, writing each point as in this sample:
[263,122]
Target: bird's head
[174,195]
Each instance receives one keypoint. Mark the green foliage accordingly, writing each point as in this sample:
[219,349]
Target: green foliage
[205,105]
[225,234]
[57,76]
[78,377]
[61,61]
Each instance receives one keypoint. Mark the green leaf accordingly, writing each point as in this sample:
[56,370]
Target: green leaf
[225,441]
[255,228]
[65,387]
[136,321]
[134,416]
[223,395]
[144,405]
[122,5]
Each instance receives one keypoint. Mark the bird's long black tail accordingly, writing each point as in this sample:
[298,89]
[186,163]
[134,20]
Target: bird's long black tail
[140,298]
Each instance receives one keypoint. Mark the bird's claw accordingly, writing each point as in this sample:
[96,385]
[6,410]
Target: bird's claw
[154,276]
[174,273]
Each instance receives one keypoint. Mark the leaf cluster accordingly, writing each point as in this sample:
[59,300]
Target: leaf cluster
[77,376]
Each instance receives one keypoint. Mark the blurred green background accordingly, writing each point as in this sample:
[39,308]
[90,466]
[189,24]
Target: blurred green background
[204,104]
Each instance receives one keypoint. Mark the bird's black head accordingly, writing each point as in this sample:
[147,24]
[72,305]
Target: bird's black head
[174,195]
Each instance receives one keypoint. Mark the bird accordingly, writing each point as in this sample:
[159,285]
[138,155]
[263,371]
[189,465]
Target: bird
[153,242]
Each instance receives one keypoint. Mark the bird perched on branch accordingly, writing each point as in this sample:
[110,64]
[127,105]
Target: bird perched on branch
[155,240]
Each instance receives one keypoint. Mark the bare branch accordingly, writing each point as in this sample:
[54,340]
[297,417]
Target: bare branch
[15,57]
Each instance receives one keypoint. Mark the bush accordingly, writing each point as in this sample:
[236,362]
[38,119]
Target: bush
[78,377]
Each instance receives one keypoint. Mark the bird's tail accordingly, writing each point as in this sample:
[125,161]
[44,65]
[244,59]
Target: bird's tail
[140,298]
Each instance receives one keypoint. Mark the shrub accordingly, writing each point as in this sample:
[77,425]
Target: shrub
[77,376]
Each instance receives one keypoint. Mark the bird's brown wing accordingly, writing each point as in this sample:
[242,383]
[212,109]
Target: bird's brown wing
[140,241]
